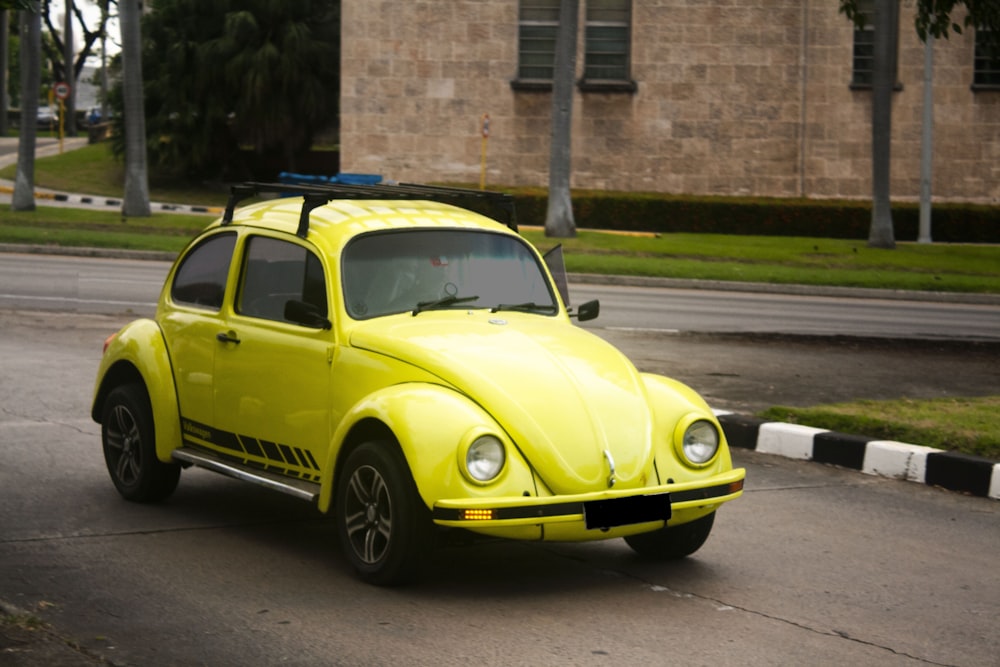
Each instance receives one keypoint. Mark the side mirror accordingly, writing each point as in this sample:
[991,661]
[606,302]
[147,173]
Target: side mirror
[306,314]
[588,311]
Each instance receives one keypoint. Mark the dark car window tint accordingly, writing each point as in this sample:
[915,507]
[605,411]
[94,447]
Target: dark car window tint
[277,272]
[201,278]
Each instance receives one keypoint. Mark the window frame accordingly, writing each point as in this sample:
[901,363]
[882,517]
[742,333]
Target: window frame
[310,262]
[528,22]
[986,62]
[867,9]
[177,295]
[591,25]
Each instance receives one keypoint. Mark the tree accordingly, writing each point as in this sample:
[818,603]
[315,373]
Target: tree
[933,17]
[59,49]
[4,52]
[23,198]
[559,220]
[135,201]
[224,74]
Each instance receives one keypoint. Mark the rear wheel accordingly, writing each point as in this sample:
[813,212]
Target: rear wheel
[130,447]
[383,525]
[673,542]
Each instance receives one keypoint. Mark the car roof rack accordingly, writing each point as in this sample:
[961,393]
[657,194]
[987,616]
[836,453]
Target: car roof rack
[496,205]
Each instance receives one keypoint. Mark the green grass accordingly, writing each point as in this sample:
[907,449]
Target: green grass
[967,425]
[93,170]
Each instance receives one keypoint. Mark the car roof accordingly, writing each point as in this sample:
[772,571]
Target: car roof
[340,211]
[339,220]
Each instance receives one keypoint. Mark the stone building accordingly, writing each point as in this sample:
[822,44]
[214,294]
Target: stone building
[712,97]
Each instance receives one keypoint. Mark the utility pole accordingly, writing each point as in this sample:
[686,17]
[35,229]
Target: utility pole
[927,142]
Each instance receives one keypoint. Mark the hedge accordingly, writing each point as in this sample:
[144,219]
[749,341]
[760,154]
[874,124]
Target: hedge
[950,223]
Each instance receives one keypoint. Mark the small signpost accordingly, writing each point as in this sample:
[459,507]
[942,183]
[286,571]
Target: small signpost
[482,162]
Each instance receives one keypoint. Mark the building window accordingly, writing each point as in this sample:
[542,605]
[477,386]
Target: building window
[864,46]
[986,70]
[538,22]
[607,43]
[863,62]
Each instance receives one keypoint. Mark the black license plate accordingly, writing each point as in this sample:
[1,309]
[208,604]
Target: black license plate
[625,511]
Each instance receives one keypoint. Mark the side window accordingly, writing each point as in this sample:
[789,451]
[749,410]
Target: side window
[200,279]
[277,272]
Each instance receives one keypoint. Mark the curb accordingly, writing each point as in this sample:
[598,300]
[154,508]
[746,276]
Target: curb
[973,475]
[116,204]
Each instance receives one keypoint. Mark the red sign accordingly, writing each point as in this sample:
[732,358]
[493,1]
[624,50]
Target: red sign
[62,90]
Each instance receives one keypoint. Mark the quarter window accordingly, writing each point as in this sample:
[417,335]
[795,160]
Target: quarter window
[277,272]
[201,277]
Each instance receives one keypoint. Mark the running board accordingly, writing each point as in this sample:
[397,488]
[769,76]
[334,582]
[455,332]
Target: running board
[299,488]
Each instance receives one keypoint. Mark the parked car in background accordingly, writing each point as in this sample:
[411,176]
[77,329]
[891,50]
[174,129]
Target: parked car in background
[411,366]
[47,116]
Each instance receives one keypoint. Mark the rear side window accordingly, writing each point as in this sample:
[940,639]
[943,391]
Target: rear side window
[277,272]
[201,278]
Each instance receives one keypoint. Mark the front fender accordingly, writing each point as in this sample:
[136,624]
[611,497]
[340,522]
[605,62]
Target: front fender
[139,353]
[674,403]
[432,424]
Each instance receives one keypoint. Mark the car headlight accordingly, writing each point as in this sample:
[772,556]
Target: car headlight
[485,458]
[700,442]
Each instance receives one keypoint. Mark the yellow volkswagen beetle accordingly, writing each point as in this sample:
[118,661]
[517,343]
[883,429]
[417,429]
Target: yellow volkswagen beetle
[410,365]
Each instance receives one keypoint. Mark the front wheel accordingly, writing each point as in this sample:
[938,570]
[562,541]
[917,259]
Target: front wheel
[673,542]
[130,447]
[383,525]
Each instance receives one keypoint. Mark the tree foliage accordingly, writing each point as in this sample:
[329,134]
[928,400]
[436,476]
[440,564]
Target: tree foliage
[224,74]
[937,17]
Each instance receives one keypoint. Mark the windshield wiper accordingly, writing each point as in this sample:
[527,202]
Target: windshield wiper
[443,302]
[528,307]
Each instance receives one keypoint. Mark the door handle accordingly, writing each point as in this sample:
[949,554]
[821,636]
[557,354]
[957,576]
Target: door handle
[227,337]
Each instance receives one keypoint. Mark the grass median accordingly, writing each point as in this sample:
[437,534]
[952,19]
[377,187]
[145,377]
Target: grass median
[968,426]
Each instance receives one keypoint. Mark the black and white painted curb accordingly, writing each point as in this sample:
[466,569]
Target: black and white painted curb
[115,204]
[915,463]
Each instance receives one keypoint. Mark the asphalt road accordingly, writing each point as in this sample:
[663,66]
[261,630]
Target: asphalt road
[814,565]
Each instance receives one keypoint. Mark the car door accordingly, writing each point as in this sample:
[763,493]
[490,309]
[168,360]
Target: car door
[272,374]
[191,318]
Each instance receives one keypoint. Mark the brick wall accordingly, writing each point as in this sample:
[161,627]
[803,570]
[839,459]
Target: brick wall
[746,97]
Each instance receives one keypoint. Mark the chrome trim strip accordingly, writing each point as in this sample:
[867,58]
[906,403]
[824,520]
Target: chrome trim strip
[302,489]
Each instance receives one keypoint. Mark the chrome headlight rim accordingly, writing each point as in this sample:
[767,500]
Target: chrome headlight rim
[483,458]
[697,441]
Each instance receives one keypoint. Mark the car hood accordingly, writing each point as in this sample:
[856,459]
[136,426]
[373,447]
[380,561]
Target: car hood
[572,403]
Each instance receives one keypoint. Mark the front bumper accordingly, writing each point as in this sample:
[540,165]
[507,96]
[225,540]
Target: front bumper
[596,511]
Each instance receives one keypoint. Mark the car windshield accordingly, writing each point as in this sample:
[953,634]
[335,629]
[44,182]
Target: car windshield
[425,269]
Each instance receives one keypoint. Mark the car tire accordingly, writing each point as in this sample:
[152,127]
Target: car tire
[383,525]
[130,447]
[673,542]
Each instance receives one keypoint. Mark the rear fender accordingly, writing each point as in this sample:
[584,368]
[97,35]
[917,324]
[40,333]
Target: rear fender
[432,425]
[138,353]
